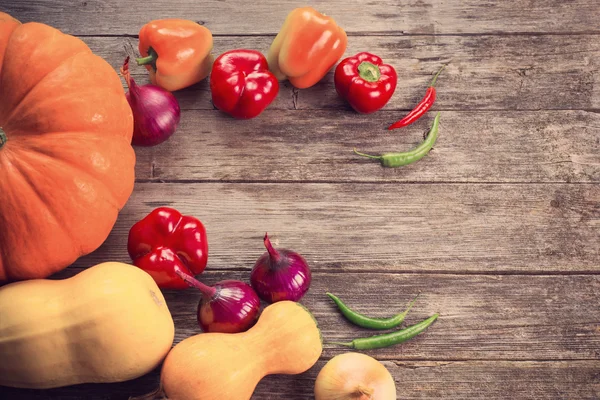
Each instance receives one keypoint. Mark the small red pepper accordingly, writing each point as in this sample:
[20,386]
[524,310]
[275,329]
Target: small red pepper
[165,240]
[241,83]
[365,82]
[421,108]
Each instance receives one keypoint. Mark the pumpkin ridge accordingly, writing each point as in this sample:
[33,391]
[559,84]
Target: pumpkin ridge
[16,106]
[55,157]
[35,190]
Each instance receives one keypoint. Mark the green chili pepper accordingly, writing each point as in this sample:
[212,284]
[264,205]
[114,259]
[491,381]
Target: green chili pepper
[399,159]
[389,339]
[367,322]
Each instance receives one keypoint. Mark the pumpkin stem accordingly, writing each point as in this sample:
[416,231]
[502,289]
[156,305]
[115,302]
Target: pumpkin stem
[3,138]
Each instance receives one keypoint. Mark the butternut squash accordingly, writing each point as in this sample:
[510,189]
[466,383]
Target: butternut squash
[217,366]
[109,323]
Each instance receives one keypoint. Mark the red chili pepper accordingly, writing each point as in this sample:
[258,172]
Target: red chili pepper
[421,108]
[365,82]
[164,240]
[241,83]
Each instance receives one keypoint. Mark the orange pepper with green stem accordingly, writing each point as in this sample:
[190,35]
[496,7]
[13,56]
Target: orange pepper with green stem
[307,46]
[177,52]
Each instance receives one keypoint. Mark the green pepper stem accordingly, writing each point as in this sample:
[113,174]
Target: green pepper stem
[436,76]
[366,155]
[369,71]
[3,138]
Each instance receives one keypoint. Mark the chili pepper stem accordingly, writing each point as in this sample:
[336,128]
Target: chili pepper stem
[432,84]
[411,304]
[273,253]
[207,291]
[369,71]
[3,138]
[366,155]
[347,344]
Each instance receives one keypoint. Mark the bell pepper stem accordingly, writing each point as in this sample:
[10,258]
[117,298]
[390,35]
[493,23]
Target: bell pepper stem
[369,71]
[150,59]
[207,291]
[366,155]
[273,253]
[144,60]
[3,138]
[432,84]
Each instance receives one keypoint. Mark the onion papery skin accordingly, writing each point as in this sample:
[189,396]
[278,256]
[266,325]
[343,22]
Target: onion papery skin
[290,281]
[156,114]
[233,308]
[354,376]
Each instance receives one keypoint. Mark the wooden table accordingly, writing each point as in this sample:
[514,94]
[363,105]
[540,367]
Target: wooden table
[498,228]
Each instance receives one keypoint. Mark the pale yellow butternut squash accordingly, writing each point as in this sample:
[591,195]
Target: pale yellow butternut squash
[222,366]
[109,323]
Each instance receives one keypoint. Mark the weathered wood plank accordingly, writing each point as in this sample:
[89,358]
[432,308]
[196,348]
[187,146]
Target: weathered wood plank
[507,146]
[266,16]
[485,72]
[503,321]
[392,227]
[414,380]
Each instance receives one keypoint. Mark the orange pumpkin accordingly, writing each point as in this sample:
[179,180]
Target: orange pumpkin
[66,161]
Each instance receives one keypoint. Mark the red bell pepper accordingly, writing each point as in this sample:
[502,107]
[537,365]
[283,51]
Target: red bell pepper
[164,240]
[365,82]
[241,83]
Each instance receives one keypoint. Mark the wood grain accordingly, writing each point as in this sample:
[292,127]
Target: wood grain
[266,16]
[489,327]
[498,227]
[520,72]
[488,228]
[483,146]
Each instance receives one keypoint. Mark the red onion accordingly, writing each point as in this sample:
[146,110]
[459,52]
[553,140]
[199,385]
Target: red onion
[156,111]
[230,306]
[280,275]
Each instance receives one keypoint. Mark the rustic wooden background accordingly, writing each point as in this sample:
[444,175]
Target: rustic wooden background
[498,228]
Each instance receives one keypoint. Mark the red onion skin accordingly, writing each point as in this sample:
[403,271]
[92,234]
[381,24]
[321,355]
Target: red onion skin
[280,275]
[156,112]
[234,308]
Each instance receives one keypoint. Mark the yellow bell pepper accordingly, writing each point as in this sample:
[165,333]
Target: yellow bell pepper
[307,46]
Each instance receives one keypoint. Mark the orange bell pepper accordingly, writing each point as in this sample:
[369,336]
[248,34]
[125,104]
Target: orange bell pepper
[177,52]
[307,46]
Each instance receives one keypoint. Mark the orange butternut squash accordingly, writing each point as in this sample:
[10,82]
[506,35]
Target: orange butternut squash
[66,161]
[109,323]
[217,366]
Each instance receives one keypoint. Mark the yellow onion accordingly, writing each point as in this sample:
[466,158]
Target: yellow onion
[354,376]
